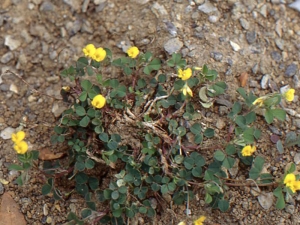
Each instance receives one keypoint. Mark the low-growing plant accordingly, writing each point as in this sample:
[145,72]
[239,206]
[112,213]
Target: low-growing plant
[25,157]
[142,124]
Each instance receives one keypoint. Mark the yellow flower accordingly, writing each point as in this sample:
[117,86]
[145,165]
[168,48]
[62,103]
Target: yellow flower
[289,179]
[98,101]
[296,185]
[259,102]
[248,150]
[18,137]
[289,95]
[133,52]
[182,223]
[200,220]
[89,50]
[21,147]
[99,55]
[187,90]
[292,187]
[185,74]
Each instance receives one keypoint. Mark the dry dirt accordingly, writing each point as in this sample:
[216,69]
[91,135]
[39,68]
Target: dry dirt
[39,38]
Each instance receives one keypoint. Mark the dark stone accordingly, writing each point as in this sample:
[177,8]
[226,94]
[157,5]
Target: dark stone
[251,37]
[276,56]
[291,70]
[218,56]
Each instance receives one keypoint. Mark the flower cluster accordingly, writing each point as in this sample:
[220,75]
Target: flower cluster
[20,146]
[185,75]
[98,101]
[291,182]
[248,150]
[133,52]
[97,54]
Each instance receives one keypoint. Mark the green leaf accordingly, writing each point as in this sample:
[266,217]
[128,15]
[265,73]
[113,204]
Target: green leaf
[90,71]
[86,213]
[218,89]
[250,117]
[291,169]
[112,145]
[93,183]
[228,162]
[219,155]
[80,111]
[153,65]
[86,85]
[80,166]
[46,189]
[89,164]
[208,199]
[115,195]
[230,149]
[241,121]
[196,128]
[280,203]
[180,131]
[248,135]
[266,178]
[198,139]
[15,167]
[84,122]
[257,133]
[162,78]
[279,147]
[223,205]
[143,210]
[104,137]
[197,171]
[236,108]
[269,116]
[91,112]
[209,132]
[259,162]
[82,62]
[81,178]
[178,84]
[188,163]
[279,114]
[117,213]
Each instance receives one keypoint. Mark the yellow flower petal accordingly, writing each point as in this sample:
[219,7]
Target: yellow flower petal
[133,52]
[182,223]
[99,55]
[185,74]
[17,137]
[187,90]
[259,102]
[248,150]
[21,147]
[289,95]
[289,179]
[200,220]
[296,185]
[89,50]
[98,101]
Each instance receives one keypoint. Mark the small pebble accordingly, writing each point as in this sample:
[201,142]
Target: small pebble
[7,132]
[291,70]
[173,45]
[235,46]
